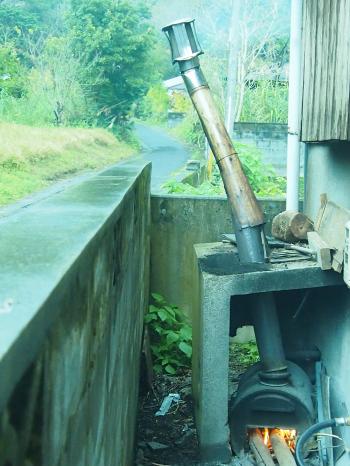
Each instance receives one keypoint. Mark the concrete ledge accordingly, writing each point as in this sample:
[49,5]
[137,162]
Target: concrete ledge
[39,251]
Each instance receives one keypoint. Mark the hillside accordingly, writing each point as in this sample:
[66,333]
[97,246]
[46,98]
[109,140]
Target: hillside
[32,158]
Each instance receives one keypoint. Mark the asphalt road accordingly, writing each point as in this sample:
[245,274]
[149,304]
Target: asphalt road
[166,154]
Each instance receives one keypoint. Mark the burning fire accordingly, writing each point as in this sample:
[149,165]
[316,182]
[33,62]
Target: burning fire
[288,435]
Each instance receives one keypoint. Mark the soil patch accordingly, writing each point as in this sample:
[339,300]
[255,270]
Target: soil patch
[170,439]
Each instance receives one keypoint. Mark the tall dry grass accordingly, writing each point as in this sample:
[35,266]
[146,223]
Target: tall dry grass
[31,158]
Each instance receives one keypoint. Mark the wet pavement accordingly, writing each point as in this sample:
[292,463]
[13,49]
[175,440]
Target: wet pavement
[166,154]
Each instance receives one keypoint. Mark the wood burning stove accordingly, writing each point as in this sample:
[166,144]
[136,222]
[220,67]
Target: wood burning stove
[283,406]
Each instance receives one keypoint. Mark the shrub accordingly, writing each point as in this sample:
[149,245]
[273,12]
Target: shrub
[171,336]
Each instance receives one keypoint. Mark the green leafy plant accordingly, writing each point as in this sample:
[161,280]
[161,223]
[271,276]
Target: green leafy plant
[171,336]
[262,177]
[245,354]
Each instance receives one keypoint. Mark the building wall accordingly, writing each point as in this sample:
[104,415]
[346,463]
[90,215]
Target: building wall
[326,324]
[327,170]
[269,138]
[76,266]
[326,70]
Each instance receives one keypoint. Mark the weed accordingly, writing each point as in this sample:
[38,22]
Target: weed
[244,354]
[171,336]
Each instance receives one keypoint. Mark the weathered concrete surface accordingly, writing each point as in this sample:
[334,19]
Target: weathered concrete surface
[326,324]
[179,222]
[270,139]
[327,170]
[219,278]
[76,267]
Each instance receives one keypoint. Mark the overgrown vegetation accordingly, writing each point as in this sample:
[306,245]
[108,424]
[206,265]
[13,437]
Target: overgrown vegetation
[76,63]
[263,178]
[244,354]
[33,158]
[171,336]
[265,102]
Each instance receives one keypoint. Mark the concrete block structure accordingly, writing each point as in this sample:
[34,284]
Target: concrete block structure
[221,279]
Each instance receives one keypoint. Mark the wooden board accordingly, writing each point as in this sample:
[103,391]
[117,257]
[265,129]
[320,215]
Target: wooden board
[326,71]
[330,225]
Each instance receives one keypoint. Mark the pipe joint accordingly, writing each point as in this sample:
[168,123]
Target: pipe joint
[194,79]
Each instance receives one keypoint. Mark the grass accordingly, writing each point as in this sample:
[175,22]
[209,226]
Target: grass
[33,158]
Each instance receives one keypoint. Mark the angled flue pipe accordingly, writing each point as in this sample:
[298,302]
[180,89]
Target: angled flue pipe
[247,216]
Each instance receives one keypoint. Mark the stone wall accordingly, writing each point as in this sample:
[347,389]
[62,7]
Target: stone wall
[74,275]
[270,139]
[179,222]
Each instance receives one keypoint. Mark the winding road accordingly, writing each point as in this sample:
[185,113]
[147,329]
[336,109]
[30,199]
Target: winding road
[166,154]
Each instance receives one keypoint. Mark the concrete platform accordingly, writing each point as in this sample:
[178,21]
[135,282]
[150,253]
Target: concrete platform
[219,276]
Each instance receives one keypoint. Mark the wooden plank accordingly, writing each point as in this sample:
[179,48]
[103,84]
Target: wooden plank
[331,228]
[323,251]
[326,71]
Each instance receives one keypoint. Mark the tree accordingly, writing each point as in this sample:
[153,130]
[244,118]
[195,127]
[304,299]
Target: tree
[117,39]
[11,72]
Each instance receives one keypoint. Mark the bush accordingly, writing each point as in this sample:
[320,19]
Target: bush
[12,74]
[171,336]
[262,177]
[266,102]
[155,104]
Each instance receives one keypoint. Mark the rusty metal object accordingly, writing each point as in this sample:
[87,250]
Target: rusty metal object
[245,208]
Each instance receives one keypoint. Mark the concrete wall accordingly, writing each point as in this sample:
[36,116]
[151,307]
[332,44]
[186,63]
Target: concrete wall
[327,324]
[327,170]
[270,138]
[75,267]
[179,222]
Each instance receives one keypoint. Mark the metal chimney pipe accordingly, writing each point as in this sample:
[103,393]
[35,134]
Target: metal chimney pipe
[247,215]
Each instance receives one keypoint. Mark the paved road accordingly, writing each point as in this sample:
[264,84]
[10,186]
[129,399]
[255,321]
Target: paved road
[166,154]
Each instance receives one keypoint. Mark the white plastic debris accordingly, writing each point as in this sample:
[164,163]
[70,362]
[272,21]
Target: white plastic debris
[167,402]
[6,306]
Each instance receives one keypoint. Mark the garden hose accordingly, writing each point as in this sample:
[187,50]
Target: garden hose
[342,421]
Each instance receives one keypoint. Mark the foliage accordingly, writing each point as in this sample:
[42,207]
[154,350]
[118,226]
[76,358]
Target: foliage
[245,354]
[33,158]
[171,336]
[190,131]
[265,102]
[155,104]
[262,177]
[12,74]
[205,189]
[15,22]
[117,38]
[180,102]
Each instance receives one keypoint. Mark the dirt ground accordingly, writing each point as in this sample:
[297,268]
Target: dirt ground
[170,439]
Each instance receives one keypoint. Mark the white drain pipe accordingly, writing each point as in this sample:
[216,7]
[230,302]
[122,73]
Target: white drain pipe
[293,151]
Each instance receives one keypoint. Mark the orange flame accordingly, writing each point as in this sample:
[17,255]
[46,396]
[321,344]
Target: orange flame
[289,436]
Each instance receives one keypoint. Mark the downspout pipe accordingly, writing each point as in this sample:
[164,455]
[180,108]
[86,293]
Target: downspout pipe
[294,94]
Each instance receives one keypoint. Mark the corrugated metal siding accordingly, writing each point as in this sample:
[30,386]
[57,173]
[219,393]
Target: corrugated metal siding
[326,70]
